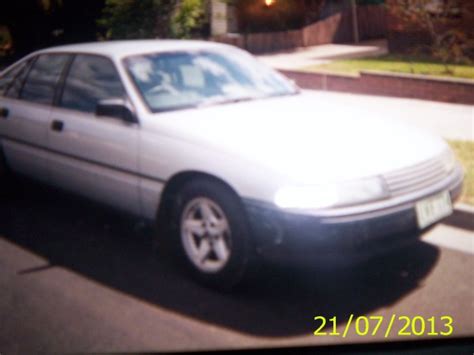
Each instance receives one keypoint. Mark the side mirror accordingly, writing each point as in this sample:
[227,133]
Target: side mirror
[117,108]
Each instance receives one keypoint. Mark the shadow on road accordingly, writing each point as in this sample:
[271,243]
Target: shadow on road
[281,301]
[461,219]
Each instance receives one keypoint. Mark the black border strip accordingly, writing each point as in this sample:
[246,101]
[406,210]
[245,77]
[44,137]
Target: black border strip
[449,346]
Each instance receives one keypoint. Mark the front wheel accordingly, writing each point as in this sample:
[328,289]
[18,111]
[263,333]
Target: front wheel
[212,234]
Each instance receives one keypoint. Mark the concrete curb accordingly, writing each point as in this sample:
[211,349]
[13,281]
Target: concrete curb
[464,208]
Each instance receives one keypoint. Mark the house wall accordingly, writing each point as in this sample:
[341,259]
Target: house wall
[255,17]
[218,18]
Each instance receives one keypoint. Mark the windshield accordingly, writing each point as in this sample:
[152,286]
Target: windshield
[171,81]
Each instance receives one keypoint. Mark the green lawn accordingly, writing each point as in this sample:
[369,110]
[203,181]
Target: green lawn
[391,63]
[465,152]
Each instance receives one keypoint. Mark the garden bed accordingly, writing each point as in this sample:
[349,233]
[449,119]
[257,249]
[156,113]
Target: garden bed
[395,64]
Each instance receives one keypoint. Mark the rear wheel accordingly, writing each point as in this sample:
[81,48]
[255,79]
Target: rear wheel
[211,233]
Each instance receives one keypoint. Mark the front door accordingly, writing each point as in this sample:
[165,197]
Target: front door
[94,156]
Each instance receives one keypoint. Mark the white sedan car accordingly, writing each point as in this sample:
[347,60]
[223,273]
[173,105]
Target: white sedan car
[225,154]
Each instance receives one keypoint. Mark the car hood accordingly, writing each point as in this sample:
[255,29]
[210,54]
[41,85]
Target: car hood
[311,137]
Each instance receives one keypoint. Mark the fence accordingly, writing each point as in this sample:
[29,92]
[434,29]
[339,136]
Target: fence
[336,28]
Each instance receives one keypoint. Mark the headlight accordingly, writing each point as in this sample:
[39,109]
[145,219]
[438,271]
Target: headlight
[341,194]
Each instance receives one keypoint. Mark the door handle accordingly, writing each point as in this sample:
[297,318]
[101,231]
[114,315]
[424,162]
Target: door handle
[4,112]
[57,125]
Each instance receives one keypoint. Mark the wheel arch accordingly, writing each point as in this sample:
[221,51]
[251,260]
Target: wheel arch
[176,182]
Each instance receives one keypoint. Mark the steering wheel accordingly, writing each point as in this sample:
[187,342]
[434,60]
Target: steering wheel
[164,87]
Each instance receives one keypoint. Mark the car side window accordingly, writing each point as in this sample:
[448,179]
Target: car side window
[12,81]
[91,79]
[41,82]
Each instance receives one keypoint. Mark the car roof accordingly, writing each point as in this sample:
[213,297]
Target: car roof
[121,49]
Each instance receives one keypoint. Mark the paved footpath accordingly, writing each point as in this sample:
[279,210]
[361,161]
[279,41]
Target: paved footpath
[323,54]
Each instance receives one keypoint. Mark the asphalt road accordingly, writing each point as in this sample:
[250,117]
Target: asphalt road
[75,277]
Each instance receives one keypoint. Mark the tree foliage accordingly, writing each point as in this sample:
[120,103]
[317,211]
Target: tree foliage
[34,24]
[187,17]
[29,22]
[443,22]
[130,19]
[127,19]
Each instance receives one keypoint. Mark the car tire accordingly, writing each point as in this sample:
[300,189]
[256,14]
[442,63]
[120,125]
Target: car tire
[210,234]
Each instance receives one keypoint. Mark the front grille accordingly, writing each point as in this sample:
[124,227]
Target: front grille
[416,177]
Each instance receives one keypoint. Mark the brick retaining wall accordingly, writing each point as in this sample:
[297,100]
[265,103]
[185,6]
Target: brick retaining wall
[388,84]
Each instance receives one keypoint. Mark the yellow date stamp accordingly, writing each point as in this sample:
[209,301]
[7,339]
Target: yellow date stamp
[395,325]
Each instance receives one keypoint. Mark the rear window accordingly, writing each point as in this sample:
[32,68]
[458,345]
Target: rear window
[12,80]
[41,82]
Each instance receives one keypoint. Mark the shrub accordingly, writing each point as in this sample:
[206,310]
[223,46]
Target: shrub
[131,19]
[188,17]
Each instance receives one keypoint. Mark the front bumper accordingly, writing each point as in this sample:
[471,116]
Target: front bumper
[282,234]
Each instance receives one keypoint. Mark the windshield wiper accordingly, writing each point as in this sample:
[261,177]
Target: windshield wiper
[221,101]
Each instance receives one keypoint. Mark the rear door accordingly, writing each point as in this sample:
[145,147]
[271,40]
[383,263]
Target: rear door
[25,113]
[94,156]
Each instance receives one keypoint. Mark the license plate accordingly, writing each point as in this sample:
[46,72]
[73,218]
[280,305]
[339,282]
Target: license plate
[433,209]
